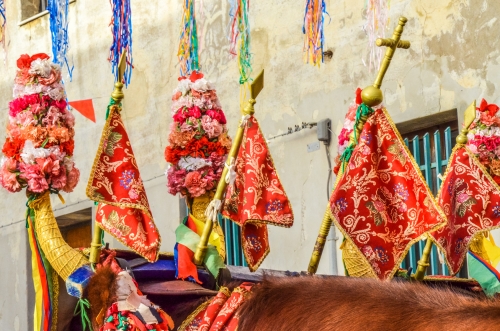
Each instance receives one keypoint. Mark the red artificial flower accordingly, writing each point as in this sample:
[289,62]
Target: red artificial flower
[358,96]
[24,61]
[68,147]
[195,75]
[61,104]
[490,108]
[13,147]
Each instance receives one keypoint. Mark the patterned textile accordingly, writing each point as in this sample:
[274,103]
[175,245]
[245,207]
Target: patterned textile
[115,183]
[470,198]
[382,203]
[219,313]
[257,197]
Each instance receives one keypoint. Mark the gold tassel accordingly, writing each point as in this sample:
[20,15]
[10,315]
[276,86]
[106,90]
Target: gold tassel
[64,259]
[355,262]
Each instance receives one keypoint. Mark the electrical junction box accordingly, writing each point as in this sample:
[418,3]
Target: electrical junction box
[324,128]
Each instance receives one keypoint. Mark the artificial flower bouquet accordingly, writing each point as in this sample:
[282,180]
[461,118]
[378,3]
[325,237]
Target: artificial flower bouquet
[345,133]
[199,142]
[38,150]
[484,138]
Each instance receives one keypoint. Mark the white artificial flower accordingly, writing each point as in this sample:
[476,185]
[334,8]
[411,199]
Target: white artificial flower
[30,153]
[41,67]
[32,89]
[201,85]
[56,91]
[193,163]
[2,161]
[56,151]
[183,87]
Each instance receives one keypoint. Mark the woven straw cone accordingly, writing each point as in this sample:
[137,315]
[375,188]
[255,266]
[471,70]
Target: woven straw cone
[64,259]
[355,263]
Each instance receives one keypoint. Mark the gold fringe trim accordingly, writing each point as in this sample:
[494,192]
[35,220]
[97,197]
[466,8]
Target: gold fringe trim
[90,193]
[191,316]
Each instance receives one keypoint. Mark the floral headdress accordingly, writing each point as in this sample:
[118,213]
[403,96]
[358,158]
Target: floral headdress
[38,150]
[198,138]
[484,138]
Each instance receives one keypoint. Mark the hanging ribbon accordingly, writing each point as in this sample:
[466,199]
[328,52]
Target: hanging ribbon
[188,41]
[313,30]
[58,13]
[121,27]
[377,19]
[42,277]
[3,21]
[240,27]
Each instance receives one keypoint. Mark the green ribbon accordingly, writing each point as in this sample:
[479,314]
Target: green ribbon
[112,102]
[81,309]
[30,212]
[362,111]
[190,239]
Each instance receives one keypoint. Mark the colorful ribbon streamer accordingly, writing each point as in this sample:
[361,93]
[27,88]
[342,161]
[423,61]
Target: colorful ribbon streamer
[58,13]
[377,16]
[188,41]
[3,21]
[42,278]
[240,27]
[121,27]
[313,30]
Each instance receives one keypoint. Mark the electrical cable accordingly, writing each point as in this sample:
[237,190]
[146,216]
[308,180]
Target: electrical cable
[329,172]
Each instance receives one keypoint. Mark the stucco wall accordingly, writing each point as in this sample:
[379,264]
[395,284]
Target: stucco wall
[453,59]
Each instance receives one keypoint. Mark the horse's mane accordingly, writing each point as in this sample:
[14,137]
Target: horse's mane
[342,303]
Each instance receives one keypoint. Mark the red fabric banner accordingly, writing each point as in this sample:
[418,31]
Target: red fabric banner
[257,197]
[470,199]
[219,313]
[382,203]
[115,182]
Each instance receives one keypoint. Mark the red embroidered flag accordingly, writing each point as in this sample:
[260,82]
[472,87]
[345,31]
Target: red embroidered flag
[470,199]
[115,182]
[219,313]
[257,197]
[382,203]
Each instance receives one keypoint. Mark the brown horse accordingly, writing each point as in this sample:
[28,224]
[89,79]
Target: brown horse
[342,303]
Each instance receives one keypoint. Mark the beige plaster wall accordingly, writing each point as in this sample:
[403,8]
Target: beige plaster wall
[453,59]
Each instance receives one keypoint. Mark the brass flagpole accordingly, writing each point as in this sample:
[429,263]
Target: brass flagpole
[371,96]
[216,204]
[117,96]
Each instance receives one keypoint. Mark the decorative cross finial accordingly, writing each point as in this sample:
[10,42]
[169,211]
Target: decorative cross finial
[372,95]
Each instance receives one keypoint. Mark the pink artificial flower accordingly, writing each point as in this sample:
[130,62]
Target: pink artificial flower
[59,181]
[194,112]
[49,165]
[36,108]
[212,127]
[344,136]
[194,184]
[25,118]
[177,95]
[181,115]
[61,104]
[8,178]
[175,180]
[52,116]
[16,106]
[34,176]
[69,118]
[72,180]
[217,114]
[55,76]
[488,119]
